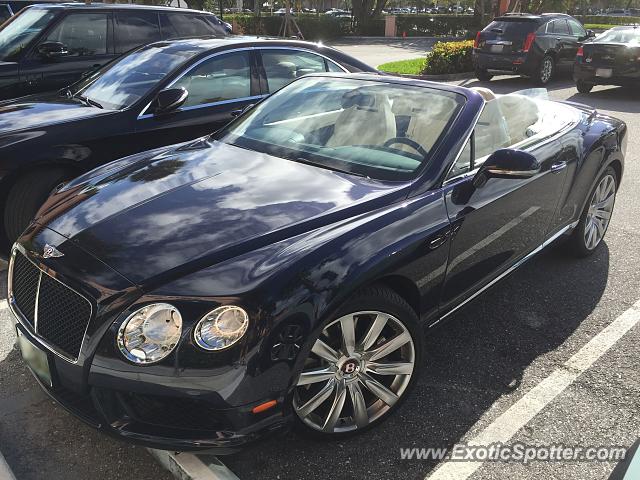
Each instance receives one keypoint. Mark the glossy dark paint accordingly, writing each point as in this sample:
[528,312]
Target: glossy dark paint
[28,72]
[622,59]
[562,48]
[289,254]
[48,130]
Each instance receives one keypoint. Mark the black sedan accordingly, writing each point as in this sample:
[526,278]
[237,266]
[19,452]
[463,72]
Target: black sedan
[613,58]
[158,95]
[282,270]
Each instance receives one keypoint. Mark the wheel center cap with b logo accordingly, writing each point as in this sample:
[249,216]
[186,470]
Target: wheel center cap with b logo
[350,367]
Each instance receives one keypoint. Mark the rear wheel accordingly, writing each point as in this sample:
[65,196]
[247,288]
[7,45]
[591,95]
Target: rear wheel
[546,71]
[27,195]
[596,216]
[361,366]
[584,87]
[483,75]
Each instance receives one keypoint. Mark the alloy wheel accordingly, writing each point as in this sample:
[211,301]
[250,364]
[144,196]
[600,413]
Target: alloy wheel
[547,70]
[599,213]
[356,372]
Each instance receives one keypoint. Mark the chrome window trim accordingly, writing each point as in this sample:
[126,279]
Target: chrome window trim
[509,270]
[143,113]
[22,319]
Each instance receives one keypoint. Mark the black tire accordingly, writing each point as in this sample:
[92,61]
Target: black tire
[380,299]
[27,195]
[576,244]
[584,87]
[544,76]
[483,75]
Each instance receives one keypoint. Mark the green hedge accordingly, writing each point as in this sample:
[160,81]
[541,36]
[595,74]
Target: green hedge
[313,27]
[449,57]
[604,20]
[436,25]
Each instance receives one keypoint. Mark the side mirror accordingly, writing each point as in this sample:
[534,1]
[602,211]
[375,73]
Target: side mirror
[170,100]
[591,34]
[507,163]
[52,50]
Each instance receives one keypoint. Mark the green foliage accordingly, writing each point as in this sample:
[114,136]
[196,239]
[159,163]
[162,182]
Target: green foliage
[313,27]
[449,57]
[436,25]
[598,26]
[414,66]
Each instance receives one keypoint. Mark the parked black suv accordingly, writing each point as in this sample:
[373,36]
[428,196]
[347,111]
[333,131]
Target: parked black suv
[49,46]
[531,45]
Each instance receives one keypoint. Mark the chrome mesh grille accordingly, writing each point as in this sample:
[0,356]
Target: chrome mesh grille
[57,314]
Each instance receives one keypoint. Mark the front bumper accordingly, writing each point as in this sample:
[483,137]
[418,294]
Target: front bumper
[517,63]
[168,406]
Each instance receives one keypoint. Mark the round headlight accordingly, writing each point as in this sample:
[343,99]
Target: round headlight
[151,333]
[221,328]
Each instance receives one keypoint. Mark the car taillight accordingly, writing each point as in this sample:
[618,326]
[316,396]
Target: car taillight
[528,42]
[476,43]
[580,52]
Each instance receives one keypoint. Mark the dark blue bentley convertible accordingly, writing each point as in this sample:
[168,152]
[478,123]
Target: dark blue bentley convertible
[282,270]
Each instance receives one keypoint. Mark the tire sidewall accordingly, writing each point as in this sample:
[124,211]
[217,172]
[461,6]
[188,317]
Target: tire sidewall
[364,302]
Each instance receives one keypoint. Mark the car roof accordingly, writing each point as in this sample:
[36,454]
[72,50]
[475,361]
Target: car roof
[542,18]
[112,6]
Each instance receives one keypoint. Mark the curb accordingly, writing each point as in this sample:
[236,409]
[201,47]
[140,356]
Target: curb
[5,471]
[189,466]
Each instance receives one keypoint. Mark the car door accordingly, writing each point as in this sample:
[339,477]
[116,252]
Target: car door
[495,224]
[282,65]
[567,45]
[86,37]
[219,86]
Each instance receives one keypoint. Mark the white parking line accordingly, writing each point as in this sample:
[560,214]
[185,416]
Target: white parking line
[189,466]
[3,305]
[524,410]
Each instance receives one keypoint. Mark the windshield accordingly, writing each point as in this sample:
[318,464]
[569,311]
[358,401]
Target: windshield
[17,33]
[631,36]
[121,84]
[380,130]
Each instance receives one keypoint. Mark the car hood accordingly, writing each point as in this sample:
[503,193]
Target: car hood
[181,209]
[36,111]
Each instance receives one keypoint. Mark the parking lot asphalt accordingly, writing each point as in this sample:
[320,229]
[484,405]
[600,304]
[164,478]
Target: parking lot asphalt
[481,362]
[375,52]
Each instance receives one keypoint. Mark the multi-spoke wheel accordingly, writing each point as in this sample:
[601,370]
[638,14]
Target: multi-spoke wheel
[546,70]
[360,366]
[596,216]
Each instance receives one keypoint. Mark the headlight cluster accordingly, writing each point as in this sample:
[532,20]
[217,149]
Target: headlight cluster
[221,328]
[152,332]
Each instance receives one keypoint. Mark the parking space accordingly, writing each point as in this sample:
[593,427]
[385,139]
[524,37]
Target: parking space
[481,362]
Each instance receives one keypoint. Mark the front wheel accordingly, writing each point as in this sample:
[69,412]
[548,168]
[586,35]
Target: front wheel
[596,216]
[584,87]
[360,367]
[546,71]
[27,195]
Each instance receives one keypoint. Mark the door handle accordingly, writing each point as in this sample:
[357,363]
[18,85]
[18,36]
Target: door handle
[558,166]
[237,113]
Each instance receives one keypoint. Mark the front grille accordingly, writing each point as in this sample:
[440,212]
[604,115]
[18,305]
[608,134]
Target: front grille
[57,314]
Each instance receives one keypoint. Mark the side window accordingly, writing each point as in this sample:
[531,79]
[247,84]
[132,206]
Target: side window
[224,77]
[577,30]
[180,25]
[284,66]
[84,34]
[136,28]
[334,67]
[560,27]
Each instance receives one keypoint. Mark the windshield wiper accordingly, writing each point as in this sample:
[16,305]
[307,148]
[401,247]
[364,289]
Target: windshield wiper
[324,165]
[90,102]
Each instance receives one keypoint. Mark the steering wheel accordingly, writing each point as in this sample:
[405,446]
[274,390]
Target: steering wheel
[407,141]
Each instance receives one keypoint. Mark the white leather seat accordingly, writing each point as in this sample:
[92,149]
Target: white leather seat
[367,119]
[519,113]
